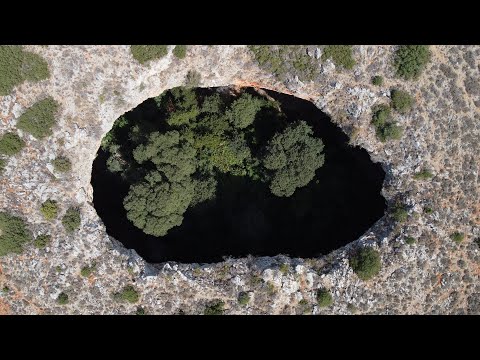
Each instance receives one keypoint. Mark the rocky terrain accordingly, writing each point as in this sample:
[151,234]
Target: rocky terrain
[94,85]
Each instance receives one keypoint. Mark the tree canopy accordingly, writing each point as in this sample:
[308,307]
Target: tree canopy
[174,160]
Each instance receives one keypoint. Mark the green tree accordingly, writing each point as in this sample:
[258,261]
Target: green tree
[72,219]
[14,234]
[3,163]
[11,144]
[243,110]
[366,263]
[39,118]
[292,157]
[181,105]
[172,156]
[156,205]
[410,61]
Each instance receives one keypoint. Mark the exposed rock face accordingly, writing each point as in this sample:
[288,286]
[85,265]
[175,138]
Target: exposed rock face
[96,84]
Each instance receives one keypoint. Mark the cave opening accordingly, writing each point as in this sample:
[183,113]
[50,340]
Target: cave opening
[244,217]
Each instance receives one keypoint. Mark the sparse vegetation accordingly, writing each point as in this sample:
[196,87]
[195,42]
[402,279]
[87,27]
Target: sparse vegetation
[401,101]
[62,164]
[284,268]
[62,299]
[39,118]
[243,298]
[71,220]
[146,53]
[180,51]
[17,66]
[49,209]
[366,263]
[324,298]
[13,234]
[377,80]
[11,144]
[423,174]
[457,237]
[128,293]
[87,270]
[41,241]
[3,163]
[283,60]
[192,79]
[341,55]
[216,308]
[410,60]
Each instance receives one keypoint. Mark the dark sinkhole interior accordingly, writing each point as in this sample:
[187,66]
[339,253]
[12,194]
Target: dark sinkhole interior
[335,208]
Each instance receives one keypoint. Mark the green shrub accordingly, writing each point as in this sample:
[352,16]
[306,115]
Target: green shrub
[424,174]
[140,311]
[410,240]
[146,53]
[385,129]
[13,234]
[366,263]
[41,241]
[377,80]
[410,60]
[192,79]
[49,209]
[380,115]
[128,293]
[62,164]
[389,131]
[427,210]
[11,144]
[243,298]
[62,299]
[3,163]
[458,237]
[324,298]
[87,270]
[283,60]
[71,220]
[341,55]
[400,214]
[17,66]
[39,119]
[284,268]
[401,101]
[215,308]
[180,51]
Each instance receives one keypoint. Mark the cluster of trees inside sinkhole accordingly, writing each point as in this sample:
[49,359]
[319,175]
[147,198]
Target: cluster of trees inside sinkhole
[176,160]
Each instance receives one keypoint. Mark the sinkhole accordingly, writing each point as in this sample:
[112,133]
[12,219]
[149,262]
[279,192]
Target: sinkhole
[269,174]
